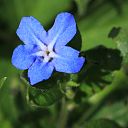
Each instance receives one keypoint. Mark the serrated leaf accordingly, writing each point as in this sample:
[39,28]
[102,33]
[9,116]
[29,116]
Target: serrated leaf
[2,81]
[102,123]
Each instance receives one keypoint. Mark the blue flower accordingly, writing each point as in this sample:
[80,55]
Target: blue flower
[45,51]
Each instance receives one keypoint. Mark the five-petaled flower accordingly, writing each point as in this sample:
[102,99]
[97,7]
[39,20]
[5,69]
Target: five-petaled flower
[43,51]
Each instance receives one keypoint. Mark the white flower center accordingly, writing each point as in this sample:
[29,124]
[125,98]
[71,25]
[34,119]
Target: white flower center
[46,54]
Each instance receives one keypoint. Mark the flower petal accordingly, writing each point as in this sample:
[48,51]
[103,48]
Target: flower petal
[39,71]
[68,63]
[22,56]
[63,30]
[30,31]
[66,51]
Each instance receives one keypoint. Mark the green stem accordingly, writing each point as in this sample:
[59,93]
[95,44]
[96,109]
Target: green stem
[120,80]
[63,114]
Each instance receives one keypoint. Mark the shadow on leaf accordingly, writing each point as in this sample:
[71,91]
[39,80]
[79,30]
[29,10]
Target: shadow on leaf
[101,62]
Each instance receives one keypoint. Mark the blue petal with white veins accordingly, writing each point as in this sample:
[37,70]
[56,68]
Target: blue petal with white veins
[63,29]
[68,60]
[68,65]
[66,51]
[39,71]
[22,57]
[30,31]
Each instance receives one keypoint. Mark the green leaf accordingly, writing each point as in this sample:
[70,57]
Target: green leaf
[46,92]
[72,84]
[115,111]
[50,91]
[42,97]
[99,69]
[102,123]
[2,81]
[122,43]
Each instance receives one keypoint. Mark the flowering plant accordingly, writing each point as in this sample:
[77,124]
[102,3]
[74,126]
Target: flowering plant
[43,51]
